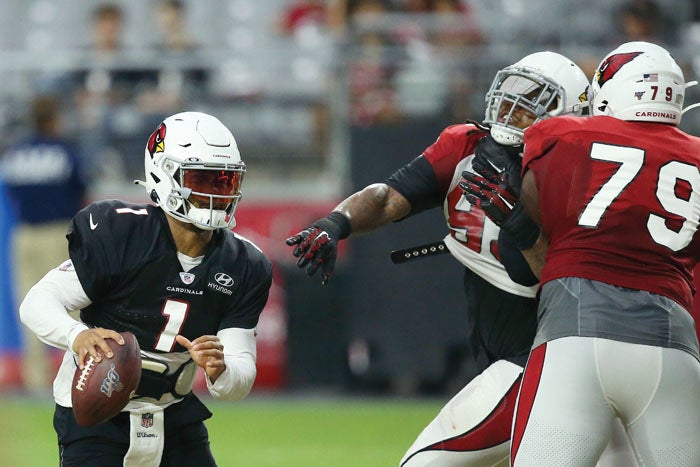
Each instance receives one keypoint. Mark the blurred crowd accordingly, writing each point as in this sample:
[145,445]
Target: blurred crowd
[305,66]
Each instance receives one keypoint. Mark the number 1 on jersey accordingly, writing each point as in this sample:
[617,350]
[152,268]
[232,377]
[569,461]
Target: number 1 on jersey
[175,312]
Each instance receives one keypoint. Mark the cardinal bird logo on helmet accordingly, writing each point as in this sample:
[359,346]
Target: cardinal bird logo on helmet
[612,65]
[156,143]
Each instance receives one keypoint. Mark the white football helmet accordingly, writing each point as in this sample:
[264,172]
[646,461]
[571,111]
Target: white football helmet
[194,170]
[639,81]
[544,84]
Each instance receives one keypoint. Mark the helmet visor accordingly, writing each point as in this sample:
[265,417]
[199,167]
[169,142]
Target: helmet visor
[212,187]
[215,182]
[517,84]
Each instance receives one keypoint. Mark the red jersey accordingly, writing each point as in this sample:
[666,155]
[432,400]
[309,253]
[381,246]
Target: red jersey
[619,202]
[473,237]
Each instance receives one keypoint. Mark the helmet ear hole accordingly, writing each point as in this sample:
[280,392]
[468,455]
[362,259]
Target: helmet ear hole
[154,196]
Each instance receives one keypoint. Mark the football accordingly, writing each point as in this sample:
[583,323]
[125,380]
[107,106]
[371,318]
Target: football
[102,389]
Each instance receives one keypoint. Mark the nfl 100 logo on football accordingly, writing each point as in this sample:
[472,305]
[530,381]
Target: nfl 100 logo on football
[111,382]
[223,283]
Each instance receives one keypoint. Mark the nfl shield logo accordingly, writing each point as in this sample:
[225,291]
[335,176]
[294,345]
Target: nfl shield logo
[187,277]
[147,420]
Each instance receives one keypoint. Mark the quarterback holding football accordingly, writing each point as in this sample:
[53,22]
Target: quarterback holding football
[176,276]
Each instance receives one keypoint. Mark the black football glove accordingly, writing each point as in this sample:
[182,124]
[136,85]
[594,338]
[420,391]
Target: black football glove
[499,203]
[317,245]
[492,160]
[495,199]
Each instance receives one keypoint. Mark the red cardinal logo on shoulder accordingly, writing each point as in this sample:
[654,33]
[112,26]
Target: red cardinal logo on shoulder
[612,65]
[156,143]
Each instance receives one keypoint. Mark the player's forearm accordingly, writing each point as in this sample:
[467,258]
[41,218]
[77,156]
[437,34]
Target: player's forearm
[236,381]
[535,256]
[45,309]
[372,207]
[530,199]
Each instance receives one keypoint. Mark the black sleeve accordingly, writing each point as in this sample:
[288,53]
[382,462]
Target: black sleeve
[93,249]
[104,243]
[416,182]
[517,267]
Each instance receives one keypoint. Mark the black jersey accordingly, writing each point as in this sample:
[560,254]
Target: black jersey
[127,263]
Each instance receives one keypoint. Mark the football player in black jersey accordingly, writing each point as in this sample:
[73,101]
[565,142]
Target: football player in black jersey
[474,428]
[176,276]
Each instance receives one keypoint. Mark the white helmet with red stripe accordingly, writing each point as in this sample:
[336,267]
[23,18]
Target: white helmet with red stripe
[194,170]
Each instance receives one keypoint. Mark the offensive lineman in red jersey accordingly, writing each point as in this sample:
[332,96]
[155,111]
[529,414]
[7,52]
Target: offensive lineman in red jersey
[473,429]
[617,196]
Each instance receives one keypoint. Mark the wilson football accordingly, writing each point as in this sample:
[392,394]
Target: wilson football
[102,389]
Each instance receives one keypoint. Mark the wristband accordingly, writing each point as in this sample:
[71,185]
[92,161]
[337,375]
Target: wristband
[336,224]
[521,229]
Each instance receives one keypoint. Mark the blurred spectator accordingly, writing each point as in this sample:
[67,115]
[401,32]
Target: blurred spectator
[181,74]
[106,69]
[640,20]
[171,23]
[43,177]
[635,20]
[339,12]
[313,23]
[439,22]
[107,22]
[302,13]
[456,24]
[439,31]
[107,83]
[397,48]
[372,65]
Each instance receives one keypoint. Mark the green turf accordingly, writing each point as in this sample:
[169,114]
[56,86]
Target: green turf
[256,432]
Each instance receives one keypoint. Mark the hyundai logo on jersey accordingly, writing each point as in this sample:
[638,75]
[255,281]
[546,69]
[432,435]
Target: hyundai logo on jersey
[224,279]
